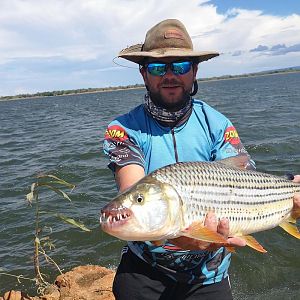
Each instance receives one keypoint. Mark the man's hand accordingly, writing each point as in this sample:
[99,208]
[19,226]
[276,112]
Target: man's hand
[296,208]
[210,222]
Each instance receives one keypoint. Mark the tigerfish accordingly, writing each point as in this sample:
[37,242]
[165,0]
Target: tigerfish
[173,201]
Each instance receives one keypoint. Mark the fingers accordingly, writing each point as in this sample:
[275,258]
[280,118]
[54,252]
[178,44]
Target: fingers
[223,227]
[297,200]
[211,221]
[186,243]
[296,208]
[297,178]
[235,241]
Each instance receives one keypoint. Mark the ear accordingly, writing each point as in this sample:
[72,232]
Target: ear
[143,72]
[142,69]
[195,70]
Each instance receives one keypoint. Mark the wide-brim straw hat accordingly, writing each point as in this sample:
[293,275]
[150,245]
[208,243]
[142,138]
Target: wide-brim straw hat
[168,38]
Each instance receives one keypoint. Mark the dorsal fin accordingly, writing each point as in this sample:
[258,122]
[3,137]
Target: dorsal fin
[242,161]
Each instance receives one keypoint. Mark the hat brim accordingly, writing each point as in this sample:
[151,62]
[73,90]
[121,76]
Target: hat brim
[135,54]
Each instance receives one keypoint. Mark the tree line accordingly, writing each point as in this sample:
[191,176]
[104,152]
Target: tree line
[104,89]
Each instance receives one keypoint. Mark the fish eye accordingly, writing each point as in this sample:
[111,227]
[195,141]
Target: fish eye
[139,198]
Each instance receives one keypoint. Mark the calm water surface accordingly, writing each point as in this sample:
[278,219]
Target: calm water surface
[62,136]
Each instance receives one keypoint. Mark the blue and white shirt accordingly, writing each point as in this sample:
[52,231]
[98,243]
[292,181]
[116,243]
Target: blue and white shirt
[207,135]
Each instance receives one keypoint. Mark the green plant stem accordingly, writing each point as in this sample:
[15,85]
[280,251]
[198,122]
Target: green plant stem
[38,274]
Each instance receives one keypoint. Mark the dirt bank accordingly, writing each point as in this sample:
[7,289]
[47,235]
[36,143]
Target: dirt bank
[81,283]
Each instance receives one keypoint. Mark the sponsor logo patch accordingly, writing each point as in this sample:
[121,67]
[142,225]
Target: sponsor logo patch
[116,132]
[231,136]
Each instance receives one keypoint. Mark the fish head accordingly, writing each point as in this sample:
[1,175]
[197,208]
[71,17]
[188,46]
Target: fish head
[150,210]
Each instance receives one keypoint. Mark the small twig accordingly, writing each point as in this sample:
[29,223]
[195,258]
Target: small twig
[48,258]
[103,290]
[18,277]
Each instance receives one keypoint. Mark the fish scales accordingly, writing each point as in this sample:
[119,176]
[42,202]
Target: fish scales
[173,201]
[252,201]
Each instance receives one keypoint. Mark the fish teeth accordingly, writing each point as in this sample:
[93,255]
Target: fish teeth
[114,216]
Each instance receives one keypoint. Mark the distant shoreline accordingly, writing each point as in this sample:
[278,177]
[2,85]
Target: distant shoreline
[139,86]
[229,77]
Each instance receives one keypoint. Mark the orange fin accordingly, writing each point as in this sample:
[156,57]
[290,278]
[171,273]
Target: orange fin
[230,249]
[158,243]
[242,161]
[291,229]
[198,231]
[291,220]
[253,243]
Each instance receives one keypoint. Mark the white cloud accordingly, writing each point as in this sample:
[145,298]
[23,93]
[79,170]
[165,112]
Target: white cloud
[75,38]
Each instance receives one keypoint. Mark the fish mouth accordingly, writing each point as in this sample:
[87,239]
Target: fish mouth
[112,218]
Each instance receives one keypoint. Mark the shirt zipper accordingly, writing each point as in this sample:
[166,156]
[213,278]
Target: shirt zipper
[174,144]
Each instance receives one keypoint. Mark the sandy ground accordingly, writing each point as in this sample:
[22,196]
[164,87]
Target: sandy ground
[81,283]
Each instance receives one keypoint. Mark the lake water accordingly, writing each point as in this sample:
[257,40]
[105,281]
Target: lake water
[62,136]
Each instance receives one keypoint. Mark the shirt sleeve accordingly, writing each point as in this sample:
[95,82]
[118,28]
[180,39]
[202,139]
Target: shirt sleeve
[121,147]
[228,144]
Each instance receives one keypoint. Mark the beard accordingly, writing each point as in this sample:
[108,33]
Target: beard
[174,104]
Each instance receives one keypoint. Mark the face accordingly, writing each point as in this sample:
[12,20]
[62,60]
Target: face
[170,91]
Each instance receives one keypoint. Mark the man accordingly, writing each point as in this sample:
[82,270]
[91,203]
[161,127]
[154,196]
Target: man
[171,127]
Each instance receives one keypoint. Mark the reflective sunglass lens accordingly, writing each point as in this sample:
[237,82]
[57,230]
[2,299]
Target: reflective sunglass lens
[178,68]
[181,67]
[157,69]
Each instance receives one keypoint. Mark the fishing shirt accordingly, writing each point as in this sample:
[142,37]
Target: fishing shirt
[207,135]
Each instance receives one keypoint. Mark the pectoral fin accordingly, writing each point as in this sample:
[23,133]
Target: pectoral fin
[253,243]
[158,243]
[291,229]
[200,232]
[230,249]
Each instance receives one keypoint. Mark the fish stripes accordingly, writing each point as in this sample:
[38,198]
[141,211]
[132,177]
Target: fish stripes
[173,201]
[252,201]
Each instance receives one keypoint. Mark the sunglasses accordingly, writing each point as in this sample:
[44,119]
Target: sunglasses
[160,69]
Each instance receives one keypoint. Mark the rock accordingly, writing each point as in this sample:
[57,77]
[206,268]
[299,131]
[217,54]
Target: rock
[86,283]
[51,293]
[15,295]
[81,283]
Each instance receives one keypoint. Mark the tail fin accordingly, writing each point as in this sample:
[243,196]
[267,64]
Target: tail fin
[291,229]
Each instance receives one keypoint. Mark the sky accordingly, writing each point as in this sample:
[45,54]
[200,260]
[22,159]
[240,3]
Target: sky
[48,45]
